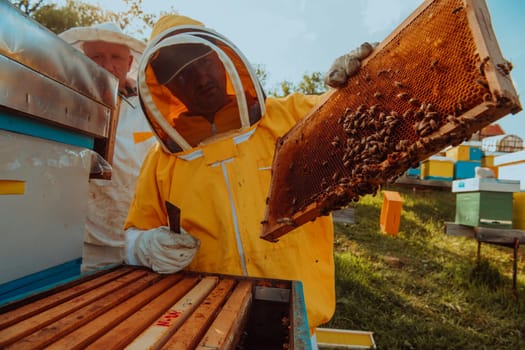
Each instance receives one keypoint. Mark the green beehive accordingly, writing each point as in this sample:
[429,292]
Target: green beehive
[484,202]
[487,209]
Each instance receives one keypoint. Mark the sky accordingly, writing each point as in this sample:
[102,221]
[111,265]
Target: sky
[290,38]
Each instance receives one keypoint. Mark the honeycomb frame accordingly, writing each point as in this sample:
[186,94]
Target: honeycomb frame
[434,81]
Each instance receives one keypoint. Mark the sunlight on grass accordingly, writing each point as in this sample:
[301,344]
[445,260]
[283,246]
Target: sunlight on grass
[424,289]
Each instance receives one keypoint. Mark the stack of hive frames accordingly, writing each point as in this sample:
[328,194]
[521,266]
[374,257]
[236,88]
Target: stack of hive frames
[438,78]
[135,308]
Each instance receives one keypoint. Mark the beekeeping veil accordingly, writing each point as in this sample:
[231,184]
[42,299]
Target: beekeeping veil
[108,32]
[187,41]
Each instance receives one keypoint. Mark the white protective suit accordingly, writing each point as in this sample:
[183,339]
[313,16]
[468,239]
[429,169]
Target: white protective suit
[109,200]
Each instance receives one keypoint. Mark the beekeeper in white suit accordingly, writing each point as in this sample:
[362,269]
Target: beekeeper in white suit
[109,200]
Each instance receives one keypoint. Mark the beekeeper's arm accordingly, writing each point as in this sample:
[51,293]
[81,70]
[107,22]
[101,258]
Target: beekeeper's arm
[347,65]
[149,241]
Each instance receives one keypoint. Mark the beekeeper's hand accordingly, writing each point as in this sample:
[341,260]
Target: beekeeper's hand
[160,249]
[347,65]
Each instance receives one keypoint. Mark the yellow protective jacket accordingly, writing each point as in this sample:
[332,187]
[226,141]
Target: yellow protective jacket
[221,186]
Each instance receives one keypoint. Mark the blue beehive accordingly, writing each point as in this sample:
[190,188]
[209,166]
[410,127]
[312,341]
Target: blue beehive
[464,169]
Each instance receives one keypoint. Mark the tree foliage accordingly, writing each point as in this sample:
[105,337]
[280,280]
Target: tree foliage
[133,20]
[26,6]
[311,84]
[59,18]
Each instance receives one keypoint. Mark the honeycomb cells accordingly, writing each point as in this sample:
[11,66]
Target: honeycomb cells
[405,104]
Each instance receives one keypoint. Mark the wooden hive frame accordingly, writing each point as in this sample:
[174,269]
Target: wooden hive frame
[435,80]
[135,308]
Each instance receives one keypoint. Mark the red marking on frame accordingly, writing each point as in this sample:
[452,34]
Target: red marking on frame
[168,317]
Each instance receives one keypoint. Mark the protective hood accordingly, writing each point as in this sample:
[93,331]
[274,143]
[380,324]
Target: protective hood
[166,56]
[108,32]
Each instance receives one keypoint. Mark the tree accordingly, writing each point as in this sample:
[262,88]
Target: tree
[26,6]
[262,74]
[311,84]
[72,14]
[76,13]
[57,19]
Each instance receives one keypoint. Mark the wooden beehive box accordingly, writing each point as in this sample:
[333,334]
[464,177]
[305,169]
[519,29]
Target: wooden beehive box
[487,209]
[465,169]
[518,210]
[465,152]
[438,78]
[437,168]
[135,308]
[511,166]
[484,202]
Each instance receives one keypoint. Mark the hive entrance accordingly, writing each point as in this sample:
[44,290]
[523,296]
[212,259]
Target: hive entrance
[433,82]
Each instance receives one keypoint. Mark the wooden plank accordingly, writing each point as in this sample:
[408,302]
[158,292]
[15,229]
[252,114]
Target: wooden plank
[345,215]
[160,331]
[56,330]
[417,182]
[225,330]
[38,321]
[299,327]
[191,332]
[126,331]
[41,280]
[16,315]
[486,234]
[85,335]
[487,46]
[453,229]
[499,235]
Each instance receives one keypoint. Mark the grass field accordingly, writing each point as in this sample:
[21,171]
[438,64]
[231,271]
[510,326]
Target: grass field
[424,289]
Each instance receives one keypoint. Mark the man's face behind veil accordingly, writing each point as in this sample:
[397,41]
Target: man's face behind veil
[201,86]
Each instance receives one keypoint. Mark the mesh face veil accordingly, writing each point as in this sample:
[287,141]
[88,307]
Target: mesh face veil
[177,127]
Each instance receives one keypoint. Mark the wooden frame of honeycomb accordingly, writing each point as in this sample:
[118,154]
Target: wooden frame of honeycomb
[433,82]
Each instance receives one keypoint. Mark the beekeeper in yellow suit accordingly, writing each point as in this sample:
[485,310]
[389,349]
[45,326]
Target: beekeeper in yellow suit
[217,133]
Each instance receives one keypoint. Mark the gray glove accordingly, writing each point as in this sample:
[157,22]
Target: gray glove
[347,65]
[160,249]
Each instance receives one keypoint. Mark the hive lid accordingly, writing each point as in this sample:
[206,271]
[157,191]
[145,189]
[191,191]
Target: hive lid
[509,158]
[490,185]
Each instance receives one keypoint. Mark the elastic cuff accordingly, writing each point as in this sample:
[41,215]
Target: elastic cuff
[131,237]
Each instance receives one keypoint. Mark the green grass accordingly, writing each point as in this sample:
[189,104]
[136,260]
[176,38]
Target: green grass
[424,289]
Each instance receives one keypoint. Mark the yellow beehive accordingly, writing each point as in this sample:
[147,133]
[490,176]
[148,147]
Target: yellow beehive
[518,210]
[464,152]
[437,168]
[488,160]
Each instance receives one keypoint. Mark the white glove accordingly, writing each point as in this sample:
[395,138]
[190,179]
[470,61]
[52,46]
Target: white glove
[347,65]
[160,249]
